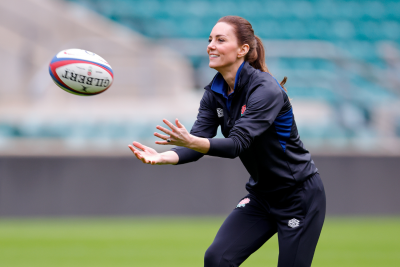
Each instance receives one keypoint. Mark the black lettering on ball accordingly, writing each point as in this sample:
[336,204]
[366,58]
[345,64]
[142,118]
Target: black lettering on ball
[81,79]
[65,74]
[73,77]
[106,82]
[99,82]
[89,80]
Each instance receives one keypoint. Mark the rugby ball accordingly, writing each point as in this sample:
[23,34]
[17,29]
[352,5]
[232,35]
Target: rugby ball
[81,72]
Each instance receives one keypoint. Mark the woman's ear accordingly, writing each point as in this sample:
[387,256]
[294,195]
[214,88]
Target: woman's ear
[243,50]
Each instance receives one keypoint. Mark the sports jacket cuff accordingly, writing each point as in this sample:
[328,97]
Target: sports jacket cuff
[222,147]
[186,155]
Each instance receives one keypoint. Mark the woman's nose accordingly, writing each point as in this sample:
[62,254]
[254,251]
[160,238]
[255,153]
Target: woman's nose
[211,45]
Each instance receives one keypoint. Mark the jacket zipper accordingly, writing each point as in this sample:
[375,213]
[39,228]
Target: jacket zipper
[218,96]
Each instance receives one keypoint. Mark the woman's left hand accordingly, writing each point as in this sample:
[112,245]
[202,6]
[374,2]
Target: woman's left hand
[178,134]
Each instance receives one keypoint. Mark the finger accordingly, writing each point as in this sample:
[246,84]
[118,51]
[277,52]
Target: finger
[137,154]
[162,143]
[166,131]
[177,122]
[165,137]
[170,125]
[139,145]
[135,151]
[132,148]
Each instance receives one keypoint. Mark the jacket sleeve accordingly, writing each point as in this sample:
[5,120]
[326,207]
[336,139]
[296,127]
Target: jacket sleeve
[206,126]
[262,107]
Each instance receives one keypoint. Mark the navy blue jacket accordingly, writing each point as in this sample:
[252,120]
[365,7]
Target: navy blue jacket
[259,127]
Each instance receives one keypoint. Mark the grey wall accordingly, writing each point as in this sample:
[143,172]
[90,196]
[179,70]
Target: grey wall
[55,186]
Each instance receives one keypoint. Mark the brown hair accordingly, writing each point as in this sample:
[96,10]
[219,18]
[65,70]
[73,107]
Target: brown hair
[245,35]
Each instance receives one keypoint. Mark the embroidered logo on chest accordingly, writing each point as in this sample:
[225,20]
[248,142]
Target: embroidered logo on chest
[243,110]
[220,112]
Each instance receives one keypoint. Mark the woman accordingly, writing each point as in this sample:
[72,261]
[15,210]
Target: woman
[286,194]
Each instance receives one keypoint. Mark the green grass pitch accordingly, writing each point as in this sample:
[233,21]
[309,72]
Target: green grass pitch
[180,242]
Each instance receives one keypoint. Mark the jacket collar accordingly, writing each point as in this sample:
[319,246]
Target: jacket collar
[242,77]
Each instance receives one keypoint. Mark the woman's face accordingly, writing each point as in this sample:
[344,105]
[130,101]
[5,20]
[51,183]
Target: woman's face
[223,49]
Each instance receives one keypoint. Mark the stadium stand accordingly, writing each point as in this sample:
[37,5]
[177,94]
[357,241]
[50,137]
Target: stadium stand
[342,59]
[341,53]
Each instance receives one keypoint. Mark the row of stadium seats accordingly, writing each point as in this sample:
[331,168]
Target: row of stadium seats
[39,128]
[107,130]
[271,19]
[328,9]
[268,28]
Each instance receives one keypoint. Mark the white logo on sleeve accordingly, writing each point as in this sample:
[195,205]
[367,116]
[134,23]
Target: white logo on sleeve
[220,112]
[293,223]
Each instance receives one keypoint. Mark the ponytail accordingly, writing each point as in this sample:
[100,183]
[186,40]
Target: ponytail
[245,35]
[259,56]
[259,61]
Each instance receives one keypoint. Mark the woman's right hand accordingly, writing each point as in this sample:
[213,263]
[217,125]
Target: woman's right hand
[150,156]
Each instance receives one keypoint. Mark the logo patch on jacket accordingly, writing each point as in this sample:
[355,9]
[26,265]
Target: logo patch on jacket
[243,202]
[220,112]
[243,110]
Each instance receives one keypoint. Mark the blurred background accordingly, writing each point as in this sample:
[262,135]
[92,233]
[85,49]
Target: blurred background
[67,175]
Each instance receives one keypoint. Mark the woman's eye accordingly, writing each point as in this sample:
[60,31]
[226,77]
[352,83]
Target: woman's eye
[221,40]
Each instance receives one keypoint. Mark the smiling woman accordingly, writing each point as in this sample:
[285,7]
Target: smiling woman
[238,30]
[286,194]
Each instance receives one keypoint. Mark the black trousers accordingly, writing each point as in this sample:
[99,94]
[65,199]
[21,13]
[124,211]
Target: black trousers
[296,214]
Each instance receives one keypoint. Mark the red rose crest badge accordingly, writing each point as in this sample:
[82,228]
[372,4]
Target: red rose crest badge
[243,110]
[243,202]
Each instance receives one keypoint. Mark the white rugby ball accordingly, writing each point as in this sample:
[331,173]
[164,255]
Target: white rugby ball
[81,72]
